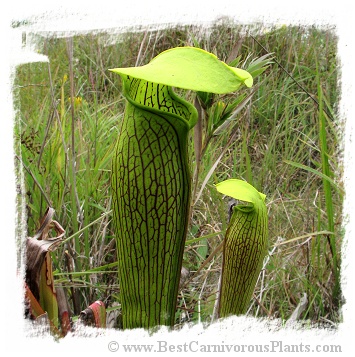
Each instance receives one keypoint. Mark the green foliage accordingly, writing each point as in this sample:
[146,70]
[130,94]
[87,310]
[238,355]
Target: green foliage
[245,246]
[190,68]
[150,196]
[151,177]
[253,136]
[241,190]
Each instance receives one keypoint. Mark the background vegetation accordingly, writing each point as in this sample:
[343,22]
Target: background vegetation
[285,141]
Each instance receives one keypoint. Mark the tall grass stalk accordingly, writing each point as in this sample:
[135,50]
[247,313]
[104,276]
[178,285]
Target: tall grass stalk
[326,169]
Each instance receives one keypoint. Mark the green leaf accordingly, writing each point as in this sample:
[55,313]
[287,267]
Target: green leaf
[241,190]
[211,235]
[153,143]
[190,68]
[202,250]
[245,247]
[259,65]
[319,174]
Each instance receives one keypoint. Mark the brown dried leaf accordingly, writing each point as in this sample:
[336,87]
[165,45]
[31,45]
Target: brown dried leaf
[37,249]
